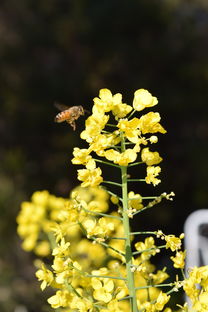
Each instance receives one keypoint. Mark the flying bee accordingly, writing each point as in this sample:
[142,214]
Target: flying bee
[69,114]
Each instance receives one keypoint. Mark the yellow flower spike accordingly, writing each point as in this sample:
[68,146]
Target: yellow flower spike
[143,99]
[150,158]
[149,123]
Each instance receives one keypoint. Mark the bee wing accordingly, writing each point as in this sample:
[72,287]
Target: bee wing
[60,106]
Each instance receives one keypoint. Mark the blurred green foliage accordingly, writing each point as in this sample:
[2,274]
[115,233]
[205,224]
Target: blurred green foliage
[66,50]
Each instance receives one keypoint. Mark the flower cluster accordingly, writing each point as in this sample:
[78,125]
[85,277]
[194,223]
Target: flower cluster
[198,295]
[98,264]
[108,144]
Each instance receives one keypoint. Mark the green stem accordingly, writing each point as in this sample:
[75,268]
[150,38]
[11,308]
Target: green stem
[136,163]
[140,210]
[101,214]
[159,285]
[136,180]
[106,276]
[113,183]
[142,233]
[106,245]
[111,125]
[128,250]
[106,162]
[132,113]
[113,194]
[121,238]
[146,197]
[148,249]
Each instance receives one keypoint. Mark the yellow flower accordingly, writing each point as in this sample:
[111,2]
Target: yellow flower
[130,129]
[90,177]
[62,249]
[149,123]
[152,173]
[150,158]
[121,110]
[162,299]
[81,304]
[103,287]
[108,102]
[172,242]
[116,306]
[40,198]
[43,249]
[103,141]
[127,157]
[44,275]
[153,139]
[93,126]
[81,156]
[160,276]
[137,202]
[148,246]
[60,299]
[142,99]
[123,159]
[179,259]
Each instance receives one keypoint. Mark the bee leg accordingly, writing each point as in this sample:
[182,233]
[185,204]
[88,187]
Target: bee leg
[72,124]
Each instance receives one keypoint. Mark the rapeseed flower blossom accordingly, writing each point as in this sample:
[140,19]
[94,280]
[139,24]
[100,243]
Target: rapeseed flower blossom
[90,243]
[143,99]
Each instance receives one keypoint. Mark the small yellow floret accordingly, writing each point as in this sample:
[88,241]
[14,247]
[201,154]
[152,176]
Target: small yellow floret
[142,99]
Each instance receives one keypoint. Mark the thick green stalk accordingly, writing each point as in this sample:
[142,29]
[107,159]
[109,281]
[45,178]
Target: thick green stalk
[127,234]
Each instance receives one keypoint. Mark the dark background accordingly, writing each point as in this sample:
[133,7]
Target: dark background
[56,50]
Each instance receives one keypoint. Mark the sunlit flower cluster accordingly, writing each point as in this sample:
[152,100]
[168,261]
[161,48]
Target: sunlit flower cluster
[96,262]
[132,130]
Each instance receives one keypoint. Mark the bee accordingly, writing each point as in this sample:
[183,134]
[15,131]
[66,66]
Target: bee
[69,114]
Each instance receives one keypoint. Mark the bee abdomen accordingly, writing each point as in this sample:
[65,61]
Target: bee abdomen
[62,116]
